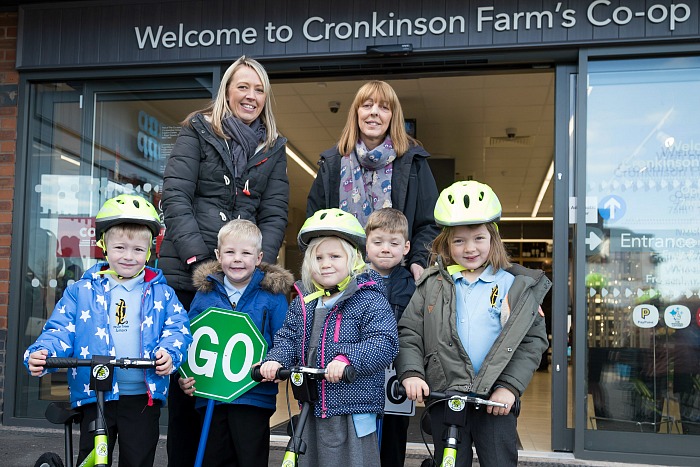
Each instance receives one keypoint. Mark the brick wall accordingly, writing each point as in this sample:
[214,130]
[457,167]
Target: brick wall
[8,143]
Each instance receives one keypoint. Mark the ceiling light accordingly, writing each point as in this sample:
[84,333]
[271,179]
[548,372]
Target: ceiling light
[302,163]
[525,219]
[70,160]
[543,189]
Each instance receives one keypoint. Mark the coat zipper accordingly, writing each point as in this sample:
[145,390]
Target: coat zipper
[324,408]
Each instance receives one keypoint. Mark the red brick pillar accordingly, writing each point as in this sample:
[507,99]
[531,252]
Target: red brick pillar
[8,143]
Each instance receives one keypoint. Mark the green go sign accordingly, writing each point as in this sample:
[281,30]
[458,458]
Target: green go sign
[225,345]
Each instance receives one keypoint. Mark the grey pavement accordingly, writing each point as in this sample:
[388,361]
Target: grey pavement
[21,446]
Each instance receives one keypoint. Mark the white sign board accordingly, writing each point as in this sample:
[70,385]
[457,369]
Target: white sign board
[393,405]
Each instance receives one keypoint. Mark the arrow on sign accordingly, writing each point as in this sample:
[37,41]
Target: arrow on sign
[611,205]
[593,241]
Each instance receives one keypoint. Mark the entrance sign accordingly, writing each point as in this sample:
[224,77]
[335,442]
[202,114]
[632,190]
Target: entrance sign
[225,345]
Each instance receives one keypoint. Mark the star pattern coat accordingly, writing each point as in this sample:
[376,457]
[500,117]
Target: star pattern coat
[79,328]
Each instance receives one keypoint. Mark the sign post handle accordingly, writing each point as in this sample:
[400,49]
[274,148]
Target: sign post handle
[205,433]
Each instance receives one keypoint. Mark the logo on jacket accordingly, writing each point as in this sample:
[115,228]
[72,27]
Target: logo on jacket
[121,312]
[494,296]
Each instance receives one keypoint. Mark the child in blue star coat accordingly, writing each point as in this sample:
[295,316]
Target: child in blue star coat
[124,309]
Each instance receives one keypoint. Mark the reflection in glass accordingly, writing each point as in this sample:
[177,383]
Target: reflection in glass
[642,245]
[70,175]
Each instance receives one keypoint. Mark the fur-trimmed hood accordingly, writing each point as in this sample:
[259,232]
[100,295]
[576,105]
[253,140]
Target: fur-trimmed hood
[277,279]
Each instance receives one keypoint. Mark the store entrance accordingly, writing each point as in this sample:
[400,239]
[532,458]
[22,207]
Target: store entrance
[494,128]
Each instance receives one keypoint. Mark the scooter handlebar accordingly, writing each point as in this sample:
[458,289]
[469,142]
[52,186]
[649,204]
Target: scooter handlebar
[70,362]
[398,391]
[349,373]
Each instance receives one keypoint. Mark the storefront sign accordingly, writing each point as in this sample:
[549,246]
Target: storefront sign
[599,13]
[226,30]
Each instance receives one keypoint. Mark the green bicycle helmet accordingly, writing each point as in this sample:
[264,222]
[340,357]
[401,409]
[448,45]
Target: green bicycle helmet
[126,209]
[467,203]
[332,222]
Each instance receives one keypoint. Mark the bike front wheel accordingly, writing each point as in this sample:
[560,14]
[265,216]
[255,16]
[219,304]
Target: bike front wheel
[49,459]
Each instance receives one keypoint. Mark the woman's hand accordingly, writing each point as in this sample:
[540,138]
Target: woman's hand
[417,271]
[416,388]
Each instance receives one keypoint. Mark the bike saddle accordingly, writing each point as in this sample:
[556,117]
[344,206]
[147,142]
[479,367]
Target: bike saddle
[61,413]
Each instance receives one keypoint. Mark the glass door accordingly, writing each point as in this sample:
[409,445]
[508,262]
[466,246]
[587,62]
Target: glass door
[639,285]
[87,142]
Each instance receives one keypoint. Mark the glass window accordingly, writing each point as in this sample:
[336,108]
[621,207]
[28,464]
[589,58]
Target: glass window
[642,245]
[84,147]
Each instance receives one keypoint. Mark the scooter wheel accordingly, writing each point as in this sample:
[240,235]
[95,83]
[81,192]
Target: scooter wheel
[49,459]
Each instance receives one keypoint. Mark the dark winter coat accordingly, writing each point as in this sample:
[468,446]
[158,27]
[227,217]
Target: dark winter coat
[400,286]
[360,327]
[432,350]
[413,191]
[264,300]
[200,195]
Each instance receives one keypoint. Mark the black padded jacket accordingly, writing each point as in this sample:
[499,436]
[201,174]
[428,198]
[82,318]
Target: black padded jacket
[200,195]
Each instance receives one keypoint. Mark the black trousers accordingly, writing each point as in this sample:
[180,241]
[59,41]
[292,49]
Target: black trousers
[132,422]
[184,422]
[394,437]
[239,436]
[495,437]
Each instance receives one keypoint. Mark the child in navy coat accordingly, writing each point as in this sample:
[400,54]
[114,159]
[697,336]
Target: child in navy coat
[341,317]
[239,433]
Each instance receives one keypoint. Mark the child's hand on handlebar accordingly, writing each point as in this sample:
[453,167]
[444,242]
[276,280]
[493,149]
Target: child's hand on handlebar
[187,385]
[268,370]
[416,388]
[36,362]
[164,363]
[334,371]
[503,396]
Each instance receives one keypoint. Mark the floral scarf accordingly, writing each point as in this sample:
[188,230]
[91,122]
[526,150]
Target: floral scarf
[365,179]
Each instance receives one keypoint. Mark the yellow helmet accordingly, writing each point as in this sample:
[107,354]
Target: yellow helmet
[467,203]
[126,209]
[332,222]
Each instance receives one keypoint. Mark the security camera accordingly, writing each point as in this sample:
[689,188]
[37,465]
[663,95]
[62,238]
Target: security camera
[511,132]
[334,106]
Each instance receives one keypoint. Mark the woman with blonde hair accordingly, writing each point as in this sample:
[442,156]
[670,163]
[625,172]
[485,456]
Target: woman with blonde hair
[228,162]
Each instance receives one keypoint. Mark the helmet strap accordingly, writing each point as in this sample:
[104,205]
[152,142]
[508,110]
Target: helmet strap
[101,243]
[321,292]
[455,268]
[118,276]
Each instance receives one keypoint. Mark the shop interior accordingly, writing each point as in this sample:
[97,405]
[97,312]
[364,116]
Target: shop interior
[494,128]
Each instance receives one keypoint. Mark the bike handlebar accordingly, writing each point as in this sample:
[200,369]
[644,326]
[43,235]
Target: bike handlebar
[349,373]
[69,362]
[399,391]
